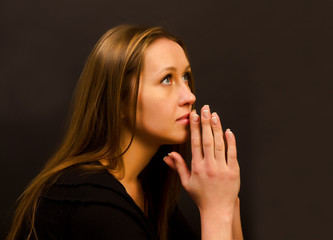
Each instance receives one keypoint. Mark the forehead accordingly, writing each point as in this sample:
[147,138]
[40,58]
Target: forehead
[163,53]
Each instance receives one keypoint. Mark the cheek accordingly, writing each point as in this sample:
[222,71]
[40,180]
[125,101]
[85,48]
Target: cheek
[153,112]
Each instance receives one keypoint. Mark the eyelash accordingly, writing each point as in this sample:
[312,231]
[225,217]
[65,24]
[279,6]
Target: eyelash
[168,76]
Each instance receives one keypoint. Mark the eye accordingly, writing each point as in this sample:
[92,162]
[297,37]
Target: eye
[166,80]
[187,76]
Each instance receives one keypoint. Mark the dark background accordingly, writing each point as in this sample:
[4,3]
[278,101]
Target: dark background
[264,66]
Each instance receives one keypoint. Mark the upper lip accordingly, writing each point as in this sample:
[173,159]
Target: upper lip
[186,115]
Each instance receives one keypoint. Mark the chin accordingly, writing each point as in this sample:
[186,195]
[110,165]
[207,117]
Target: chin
[171,138]
[179,139]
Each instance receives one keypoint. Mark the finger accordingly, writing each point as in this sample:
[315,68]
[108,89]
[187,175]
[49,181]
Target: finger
[196,145]
[232,151]
[181,167]
[219,149]
[207,135]
[169,161]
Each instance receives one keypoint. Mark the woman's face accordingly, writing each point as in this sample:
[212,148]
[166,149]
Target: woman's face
[164,94]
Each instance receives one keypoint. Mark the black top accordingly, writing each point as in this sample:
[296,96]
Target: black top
[96,206]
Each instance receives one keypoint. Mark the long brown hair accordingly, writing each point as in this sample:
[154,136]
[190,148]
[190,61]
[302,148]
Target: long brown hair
[105,87]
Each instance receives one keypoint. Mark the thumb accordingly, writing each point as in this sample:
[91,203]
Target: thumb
[169,161]
[180,165]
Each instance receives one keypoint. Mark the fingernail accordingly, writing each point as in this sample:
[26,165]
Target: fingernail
[229,133]
[214,118]
[164,158]
[205,113]
[195,118]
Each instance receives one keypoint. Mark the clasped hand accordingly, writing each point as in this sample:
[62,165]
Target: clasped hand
[214,180]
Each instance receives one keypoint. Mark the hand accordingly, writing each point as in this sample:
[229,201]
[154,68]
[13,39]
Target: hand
[214,180]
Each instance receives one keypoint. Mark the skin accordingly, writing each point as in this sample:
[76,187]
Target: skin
[161,101]
[213,181]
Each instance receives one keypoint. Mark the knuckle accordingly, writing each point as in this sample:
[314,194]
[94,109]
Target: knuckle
[234,175]
[211,172]
[205,121]
[196,171]
[219,146]
[196,143]
[207,142]
[232,155]
[237,169]
[216,127]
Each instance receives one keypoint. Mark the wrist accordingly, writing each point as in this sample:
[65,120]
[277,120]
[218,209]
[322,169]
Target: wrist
[216,224]
[216,215]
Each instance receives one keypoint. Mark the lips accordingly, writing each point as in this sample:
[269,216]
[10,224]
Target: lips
[185,116]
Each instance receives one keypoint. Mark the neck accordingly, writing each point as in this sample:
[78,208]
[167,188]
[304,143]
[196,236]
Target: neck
[136,157]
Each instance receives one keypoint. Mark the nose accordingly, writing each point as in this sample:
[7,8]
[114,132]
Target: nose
[186,97]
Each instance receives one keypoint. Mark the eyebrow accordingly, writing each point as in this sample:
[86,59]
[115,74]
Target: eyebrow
[174,69]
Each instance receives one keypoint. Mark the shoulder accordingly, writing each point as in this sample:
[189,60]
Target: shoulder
[87,205]
[77,185]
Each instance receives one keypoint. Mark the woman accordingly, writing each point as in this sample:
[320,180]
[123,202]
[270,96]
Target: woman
[132,109]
